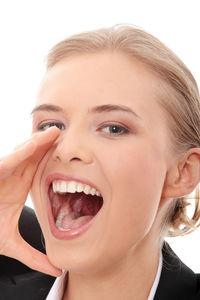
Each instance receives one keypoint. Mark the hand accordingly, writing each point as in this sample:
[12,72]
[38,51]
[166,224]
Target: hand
[16,175]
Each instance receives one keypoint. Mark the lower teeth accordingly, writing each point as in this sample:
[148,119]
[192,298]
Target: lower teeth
[60,217]
[62,229]
[59,221]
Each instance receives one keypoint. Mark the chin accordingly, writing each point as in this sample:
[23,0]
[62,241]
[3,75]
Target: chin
[79,262]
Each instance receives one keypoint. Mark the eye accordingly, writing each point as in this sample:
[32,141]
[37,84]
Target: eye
[45,126]
[114,129]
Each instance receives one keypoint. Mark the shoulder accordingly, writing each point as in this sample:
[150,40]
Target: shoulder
[17,280]
[177,281]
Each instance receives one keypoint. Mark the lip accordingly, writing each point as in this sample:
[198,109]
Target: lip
[66,235]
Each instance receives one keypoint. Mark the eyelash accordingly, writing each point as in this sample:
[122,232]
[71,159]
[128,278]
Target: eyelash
[123,130]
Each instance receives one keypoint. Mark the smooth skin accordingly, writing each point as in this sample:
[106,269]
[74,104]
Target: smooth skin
[137,173]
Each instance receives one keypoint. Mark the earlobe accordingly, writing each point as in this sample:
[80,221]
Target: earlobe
[182,178]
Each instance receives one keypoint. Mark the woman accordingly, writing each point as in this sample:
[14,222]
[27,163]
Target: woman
[109,183]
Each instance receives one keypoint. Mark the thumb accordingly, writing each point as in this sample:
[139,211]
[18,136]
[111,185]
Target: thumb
[31,257]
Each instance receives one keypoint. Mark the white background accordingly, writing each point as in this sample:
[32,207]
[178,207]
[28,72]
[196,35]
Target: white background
[28,29]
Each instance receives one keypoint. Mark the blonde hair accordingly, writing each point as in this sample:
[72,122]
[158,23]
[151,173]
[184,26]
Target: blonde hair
[180,97]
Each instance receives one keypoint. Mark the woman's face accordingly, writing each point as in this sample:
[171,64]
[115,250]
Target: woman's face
[114,137]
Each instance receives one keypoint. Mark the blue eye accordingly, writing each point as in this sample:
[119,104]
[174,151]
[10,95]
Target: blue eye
[115,129]
[45,126]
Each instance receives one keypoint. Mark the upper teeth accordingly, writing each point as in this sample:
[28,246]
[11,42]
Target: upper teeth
[61,186]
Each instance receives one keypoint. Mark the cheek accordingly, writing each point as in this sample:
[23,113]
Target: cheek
[134,167]
[136,177]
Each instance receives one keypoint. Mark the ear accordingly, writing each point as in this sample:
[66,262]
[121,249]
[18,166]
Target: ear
[183,177]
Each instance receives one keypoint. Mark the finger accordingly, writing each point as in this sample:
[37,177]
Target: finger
[40,151]
[46,138]
[44,143]
[11,161]
[42,136]
[31,257]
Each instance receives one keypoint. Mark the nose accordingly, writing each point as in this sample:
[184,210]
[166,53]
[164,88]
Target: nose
[72,147]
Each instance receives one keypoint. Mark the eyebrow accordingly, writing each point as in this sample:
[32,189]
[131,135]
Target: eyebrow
[47,107]
[113,107]
[95,109]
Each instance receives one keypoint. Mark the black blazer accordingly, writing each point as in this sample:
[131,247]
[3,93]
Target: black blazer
[18,282]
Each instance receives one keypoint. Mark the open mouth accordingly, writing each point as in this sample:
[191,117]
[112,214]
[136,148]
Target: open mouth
[73,204]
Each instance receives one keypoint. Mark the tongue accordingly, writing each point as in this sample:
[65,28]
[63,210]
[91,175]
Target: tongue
[70,222]
[70,215]
[75,210]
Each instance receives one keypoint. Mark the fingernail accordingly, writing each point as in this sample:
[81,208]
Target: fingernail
[50,128]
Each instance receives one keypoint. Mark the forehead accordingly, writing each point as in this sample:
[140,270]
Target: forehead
[96,79]
[101,76]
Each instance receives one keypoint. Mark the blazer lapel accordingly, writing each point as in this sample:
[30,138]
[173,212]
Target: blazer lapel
[177,281]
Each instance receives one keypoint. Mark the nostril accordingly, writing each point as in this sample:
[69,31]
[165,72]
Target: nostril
[75,158]
[66,156]
[57,158]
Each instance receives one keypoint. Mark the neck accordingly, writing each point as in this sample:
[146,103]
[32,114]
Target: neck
[130,278]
